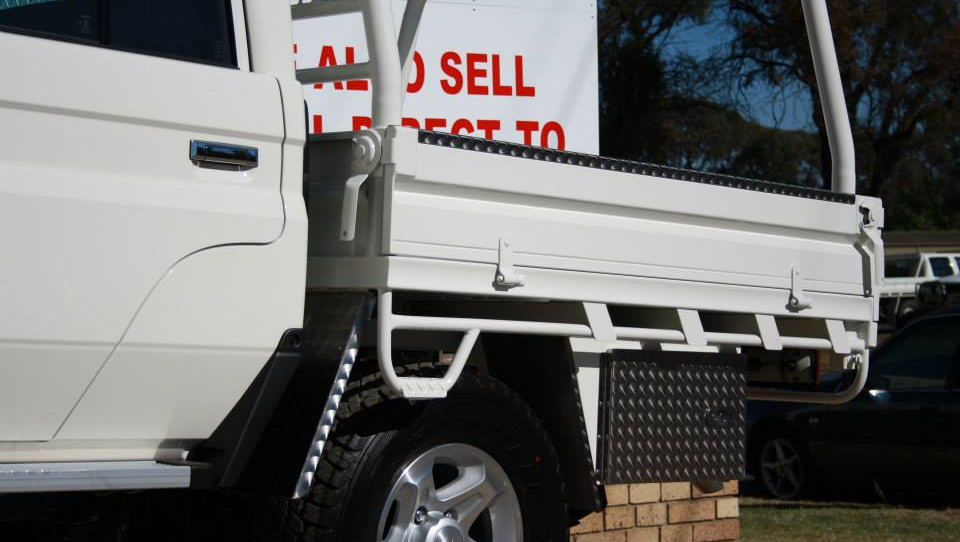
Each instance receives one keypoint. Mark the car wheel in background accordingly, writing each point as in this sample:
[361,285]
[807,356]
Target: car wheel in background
[781,468]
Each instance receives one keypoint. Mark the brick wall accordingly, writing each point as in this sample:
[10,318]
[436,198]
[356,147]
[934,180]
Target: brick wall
[668,512]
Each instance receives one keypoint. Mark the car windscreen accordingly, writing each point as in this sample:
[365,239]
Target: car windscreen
[901,267]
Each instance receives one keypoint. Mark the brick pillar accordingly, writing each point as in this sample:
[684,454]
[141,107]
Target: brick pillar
[668,512]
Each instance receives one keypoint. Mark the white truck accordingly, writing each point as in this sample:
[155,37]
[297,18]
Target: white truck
[903,275]
[410,335]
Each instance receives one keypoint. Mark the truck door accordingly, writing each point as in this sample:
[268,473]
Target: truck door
[132,134]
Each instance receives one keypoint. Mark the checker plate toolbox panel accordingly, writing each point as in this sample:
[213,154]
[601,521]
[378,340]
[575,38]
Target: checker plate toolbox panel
[671,416]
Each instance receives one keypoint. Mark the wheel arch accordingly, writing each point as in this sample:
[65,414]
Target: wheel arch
[542,372]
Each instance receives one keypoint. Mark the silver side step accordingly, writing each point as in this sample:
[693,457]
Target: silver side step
[95,476]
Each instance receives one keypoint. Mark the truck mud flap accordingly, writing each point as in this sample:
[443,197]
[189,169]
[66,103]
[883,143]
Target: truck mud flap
[672,417]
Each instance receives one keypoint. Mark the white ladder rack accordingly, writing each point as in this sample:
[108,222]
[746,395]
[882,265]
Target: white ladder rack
[390,55]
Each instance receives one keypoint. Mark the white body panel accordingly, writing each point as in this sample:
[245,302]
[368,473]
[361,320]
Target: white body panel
[459,203]
[130,273]
[586,234]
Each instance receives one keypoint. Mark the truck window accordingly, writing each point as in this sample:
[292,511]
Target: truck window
[71,19]
[193,30]
[941,267]
[901,267]
[187,29]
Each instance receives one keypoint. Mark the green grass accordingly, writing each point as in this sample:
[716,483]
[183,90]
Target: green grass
[764,520]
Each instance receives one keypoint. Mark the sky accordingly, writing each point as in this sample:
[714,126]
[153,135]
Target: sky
[789,112]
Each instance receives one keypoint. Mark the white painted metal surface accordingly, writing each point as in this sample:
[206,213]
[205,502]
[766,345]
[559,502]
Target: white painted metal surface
[98,200]
[99,476]
[142,293]
[830,87]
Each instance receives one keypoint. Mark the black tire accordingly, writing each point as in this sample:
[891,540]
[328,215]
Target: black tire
[375,436]
[907,312]
[790,478]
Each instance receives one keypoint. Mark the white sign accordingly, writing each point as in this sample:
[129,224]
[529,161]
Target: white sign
[513,70]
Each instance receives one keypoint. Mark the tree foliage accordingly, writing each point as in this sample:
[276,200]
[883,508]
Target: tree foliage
[900,63]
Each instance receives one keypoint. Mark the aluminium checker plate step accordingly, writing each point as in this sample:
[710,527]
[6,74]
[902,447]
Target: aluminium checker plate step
[503,148]
[91,476]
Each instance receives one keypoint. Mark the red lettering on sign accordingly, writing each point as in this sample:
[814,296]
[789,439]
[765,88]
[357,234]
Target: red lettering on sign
[361,123]
[488,127]
[475,73]
[318,124]
[461,126]
[498,89]
[328,58]
[450,65]
[522,90]
[434,124]
[527,128]
[414,86]
[553,128]
[355,85]
[410,122]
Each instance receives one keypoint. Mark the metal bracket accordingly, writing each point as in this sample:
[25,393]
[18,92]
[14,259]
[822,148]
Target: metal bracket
[507,277]
[367,148]
[798,300]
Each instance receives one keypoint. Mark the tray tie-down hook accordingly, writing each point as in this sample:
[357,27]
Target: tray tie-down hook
[367,147]
[507,277]
[798,300]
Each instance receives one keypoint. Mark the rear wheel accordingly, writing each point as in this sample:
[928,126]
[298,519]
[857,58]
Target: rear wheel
[476,466]
[452,492]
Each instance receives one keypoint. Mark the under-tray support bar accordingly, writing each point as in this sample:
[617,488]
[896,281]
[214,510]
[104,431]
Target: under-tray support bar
[413,387]
[433,388]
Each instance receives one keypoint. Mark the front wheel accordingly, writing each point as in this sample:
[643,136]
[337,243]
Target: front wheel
[474,467]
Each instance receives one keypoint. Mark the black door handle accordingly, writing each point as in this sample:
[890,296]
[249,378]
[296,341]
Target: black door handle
[223,155]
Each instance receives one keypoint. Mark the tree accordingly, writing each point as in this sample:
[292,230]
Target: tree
[900,63]
[634,87]
[656,107]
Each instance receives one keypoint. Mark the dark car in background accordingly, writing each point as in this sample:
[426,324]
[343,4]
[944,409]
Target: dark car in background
[902,431]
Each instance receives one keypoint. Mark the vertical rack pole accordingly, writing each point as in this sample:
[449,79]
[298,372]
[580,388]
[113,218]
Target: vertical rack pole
[842,155]
[386,76]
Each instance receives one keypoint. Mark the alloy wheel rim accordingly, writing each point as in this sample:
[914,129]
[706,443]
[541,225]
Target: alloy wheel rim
[781,468]
[451,493]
